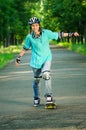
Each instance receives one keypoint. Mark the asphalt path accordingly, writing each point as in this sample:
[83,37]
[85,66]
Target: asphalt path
[68,73]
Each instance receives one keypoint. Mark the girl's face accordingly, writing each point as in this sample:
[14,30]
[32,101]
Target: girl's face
[35,28]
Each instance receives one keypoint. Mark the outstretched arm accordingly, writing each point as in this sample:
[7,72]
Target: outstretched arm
[70,34]
[62,34]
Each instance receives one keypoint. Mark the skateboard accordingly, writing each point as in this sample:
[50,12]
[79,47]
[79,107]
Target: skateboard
[50,105]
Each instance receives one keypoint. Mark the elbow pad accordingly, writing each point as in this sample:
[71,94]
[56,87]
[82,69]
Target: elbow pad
[25,48]
[60,35]
[70,34]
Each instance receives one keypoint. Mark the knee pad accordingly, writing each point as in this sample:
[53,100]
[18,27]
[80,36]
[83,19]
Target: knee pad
[46,75]
[37,80]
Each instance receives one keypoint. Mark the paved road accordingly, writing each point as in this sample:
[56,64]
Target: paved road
[69,88]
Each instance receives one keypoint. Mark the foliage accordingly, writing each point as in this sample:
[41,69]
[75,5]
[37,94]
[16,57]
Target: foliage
[57,15]
[68,15]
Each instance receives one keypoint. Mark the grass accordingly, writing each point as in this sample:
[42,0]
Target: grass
[10,49]
[4,59]
[7,54]
[80,48]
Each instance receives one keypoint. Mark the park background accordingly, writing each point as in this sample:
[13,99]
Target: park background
[56,15]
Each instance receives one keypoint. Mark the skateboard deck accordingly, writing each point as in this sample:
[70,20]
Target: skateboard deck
[50,105]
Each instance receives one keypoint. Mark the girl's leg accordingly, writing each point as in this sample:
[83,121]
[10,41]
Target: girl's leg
[35,84]
[47,78]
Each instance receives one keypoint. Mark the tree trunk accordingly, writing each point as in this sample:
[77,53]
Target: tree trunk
[85,33]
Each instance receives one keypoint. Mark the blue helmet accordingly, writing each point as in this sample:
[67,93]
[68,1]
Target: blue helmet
[34,20]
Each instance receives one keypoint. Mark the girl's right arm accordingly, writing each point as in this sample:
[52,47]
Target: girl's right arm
[18,59]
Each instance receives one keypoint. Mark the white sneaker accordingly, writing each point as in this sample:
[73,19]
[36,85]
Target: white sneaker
[49,99]
[36,102]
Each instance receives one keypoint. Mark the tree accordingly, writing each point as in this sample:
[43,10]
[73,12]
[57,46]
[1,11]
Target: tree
[14,15]
[66,15]
[57,15]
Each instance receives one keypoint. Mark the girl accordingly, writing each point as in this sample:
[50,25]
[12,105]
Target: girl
[38,41]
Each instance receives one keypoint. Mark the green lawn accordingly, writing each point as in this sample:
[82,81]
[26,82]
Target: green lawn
[80,48]
[5,58]
[7,54]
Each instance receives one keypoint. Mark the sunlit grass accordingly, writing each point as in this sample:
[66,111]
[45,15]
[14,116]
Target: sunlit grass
[10,49]
[4,58]
[80,48]
[6,54]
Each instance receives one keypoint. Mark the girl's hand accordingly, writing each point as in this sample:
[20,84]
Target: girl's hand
[76,34]
[17,61]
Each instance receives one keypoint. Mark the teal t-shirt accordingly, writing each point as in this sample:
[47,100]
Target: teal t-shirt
[40,47]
